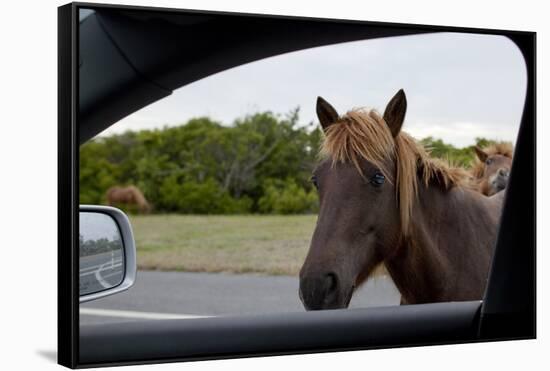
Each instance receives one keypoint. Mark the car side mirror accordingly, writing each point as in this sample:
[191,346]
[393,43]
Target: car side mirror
[107,252]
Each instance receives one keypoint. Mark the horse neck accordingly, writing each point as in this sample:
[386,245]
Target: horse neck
[450,236]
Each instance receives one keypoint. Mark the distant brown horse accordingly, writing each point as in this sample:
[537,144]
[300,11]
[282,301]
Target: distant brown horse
[130,195]
[384,200]
[491,169]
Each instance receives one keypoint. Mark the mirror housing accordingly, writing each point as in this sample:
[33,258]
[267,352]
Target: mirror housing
[111,268]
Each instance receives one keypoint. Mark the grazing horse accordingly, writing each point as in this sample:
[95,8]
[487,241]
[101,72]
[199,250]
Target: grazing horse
[130,195]
[491,169]
[383,199]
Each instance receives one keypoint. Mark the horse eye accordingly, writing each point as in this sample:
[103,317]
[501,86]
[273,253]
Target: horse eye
[314,181]
[489,161]
[377,179]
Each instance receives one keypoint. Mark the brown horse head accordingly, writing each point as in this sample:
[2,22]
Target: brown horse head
[492,168]
[367,183]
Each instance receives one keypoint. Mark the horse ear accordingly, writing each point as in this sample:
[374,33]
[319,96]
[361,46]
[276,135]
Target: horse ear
[326,113]
[394,115]
[481,154]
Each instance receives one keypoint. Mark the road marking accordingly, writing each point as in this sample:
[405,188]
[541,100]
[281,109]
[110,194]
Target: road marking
[135,314]
[100,278]
[94,267]
[83,274]
[115,273]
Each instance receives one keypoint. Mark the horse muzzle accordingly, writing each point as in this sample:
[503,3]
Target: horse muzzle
[500,180]
[323,291]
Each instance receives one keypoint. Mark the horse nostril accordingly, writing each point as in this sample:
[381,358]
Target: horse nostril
[503,172]
[331,283]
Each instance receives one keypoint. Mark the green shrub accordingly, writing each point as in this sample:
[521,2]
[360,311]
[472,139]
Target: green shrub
[97,174]
[287,197]
[191,197]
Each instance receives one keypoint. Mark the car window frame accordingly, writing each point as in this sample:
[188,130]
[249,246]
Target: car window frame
[508,307]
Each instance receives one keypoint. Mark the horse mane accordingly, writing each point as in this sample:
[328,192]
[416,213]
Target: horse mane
[140,198]
[499,148]
[363,134]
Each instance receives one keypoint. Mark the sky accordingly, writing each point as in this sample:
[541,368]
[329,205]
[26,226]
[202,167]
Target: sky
[94,226]
[458,86]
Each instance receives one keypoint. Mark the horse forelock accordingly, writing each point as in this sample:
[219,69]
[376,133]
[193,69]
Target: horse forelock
[500,148]
[350,139]
[363,134]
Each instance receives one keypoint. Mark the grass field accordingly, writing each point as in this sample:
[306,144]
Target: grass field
[238,244]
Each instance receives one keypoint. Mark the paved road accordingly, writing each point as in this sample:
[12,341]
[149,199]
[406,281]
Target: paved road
[101,271]
[159,295]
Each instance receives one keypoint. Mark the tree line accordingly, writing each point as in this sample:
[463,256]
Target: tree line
[260,163]
[102,245]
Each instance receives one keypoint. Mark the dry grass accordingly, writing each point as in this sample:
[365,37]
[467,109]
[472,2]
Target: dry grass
[238,244]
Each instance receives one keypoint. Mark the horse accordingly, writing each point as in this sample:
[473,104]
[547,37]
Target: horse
[384,200]
[491,169]
[130,195]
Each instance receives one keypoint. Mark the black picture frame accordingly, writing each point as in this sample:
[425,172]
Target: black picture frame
[508,310]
